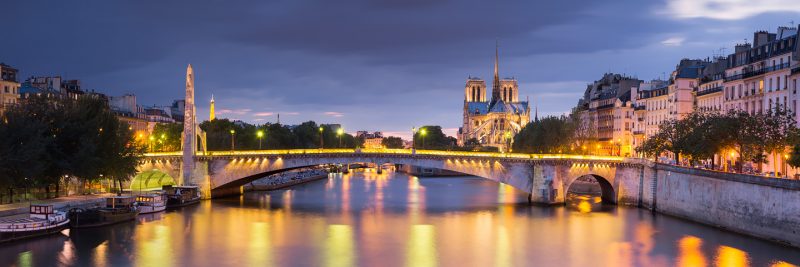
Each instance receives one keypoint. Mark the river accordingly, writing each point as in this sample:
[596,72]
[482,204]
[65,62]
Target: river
[392,219]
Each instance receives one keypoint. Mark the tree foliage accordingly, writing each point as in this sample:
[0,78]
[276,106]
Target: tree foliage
[392,142]
[45,139]
[553,134]
[699,136]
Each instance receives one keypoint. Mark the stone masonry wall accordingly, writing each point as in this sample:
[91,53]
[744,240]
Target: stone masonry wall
[761,207]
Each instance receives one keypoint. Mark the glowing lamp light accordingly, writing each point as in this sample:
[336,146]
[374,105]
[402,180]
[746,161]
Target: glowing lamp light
[260,134]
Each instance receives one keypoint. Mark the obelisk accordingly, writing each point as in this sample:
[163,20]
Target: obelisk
[189,137]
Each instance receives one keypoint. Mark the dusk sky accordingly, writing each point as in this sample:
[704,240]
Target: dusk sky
[371,64]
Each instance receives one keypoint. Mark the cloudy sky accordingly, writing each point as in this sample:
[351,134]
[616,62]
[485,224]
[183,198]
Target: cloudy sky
[367,64]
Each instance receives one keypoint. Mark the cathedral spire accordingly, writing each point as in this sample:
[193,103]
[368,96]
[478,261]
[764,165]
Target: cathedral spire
[496,81]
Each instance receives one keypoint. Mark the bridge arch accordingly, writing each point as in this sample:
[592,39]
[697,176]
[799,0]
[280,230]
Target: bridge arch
[228,174]
[607,192]
[151,179]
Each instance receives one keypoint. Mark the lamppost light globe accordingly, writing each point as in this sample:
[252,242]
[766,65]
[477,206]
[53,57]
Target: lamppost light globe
[233,131]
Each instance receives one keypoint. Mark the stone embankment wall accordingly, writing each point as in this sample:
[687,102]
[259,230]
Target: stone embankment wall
[768,208]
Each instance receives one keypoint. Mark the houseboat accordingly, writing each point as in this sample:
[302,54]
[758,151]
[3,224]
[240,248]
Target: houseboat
[179,196]
[117,209]
[43,220]
[151,203]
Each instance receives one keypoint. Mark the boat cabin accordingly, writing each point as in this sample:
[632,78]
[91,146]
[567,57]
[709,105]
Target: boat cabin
[120,202]
[149,199]
[41,211]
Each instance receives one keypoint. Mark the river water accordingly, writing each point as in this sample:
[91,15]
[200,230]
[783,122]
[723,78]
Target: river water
[392,219]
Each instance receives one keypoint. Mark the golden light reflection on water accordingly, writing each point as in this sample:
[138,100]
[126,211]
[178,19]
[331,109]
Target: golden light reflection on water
[339,249]
[100,257]
[421,249]
[260,251]
[691,252]
[502,252]
[782,264]
[155,247]
[731,257]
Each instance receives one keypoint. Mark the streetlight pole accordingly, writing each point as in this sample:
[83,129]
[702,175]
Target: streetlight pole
[413,140]
[233,143]
[321,138]
[422,132]
[339,133]
[508,141]
[259,134]
[151,138]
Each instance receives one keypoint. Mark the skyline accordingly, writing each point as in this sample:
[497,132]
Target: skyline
[257,65]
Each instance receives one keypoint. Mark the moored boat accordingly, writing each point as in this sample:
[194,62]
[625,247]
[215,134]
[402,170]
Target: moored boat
[43,220]
[179,196]
[118,209]
[151,203]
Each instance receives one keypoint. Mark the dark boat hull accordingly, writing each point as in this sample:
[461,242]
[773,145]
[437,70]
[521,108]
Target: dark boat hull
[173,203]
[90,218]
[14,236]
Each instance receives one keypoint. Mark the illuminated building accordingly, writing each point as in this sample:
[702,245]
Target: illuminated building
[496,121]
[9,87]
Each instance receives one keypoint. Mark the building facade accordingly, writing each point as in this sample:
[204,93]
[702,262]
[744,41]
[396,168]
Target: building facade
[607,114]
[9,87]
[495,121]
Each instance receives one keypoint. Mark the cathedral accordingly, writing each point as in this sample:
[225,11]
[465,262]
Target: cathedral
[496,121]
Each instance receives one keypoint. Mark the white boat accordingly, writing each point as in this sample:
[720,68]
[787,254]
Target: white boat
[43,220]
[151,203]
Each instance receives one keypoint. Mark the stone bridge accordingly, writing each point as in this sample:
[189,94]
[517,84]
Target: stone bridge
[545,178]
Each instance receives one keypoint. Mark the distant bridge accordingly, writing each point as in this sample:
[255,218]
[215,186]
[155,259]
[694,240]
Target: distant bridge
[546,177]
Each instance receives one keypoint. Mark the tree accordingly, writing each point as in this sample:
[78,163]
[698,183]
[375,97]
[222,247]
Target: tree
[165,137]
[472,144]
[794,157]
[392,142]
[552,134]
[23,144]
[433,138]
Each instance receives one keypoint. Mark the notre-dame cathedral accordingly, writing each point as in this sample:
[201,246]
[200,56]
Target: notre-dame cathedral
[494,122]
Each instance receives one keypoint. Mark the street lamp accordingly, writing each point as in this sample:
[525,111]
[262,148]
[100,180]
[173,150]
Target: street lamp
[422,132]
[339,133]
[508,141]
[151,138]
[259,134]
[413,140]
[321,138]
[233,144]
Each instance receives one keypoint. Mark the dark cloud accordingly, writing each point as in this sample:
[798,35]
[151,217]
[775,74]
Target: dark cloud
[375,64]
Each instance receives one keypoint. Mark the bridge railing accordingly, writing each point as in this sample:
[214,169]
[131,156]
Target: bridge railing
[276,152]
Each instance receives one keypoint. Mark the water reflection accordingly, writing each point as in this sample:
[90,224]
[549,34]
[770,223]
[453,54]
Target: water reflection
[391,219]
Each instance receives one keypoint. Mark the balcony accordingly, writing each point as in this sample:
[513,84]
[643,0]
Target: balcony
[754,73]
[639,107]
[710,91]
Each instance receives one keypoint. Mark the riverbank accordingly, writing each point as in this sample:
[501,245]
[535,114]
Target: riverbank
[61,203]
